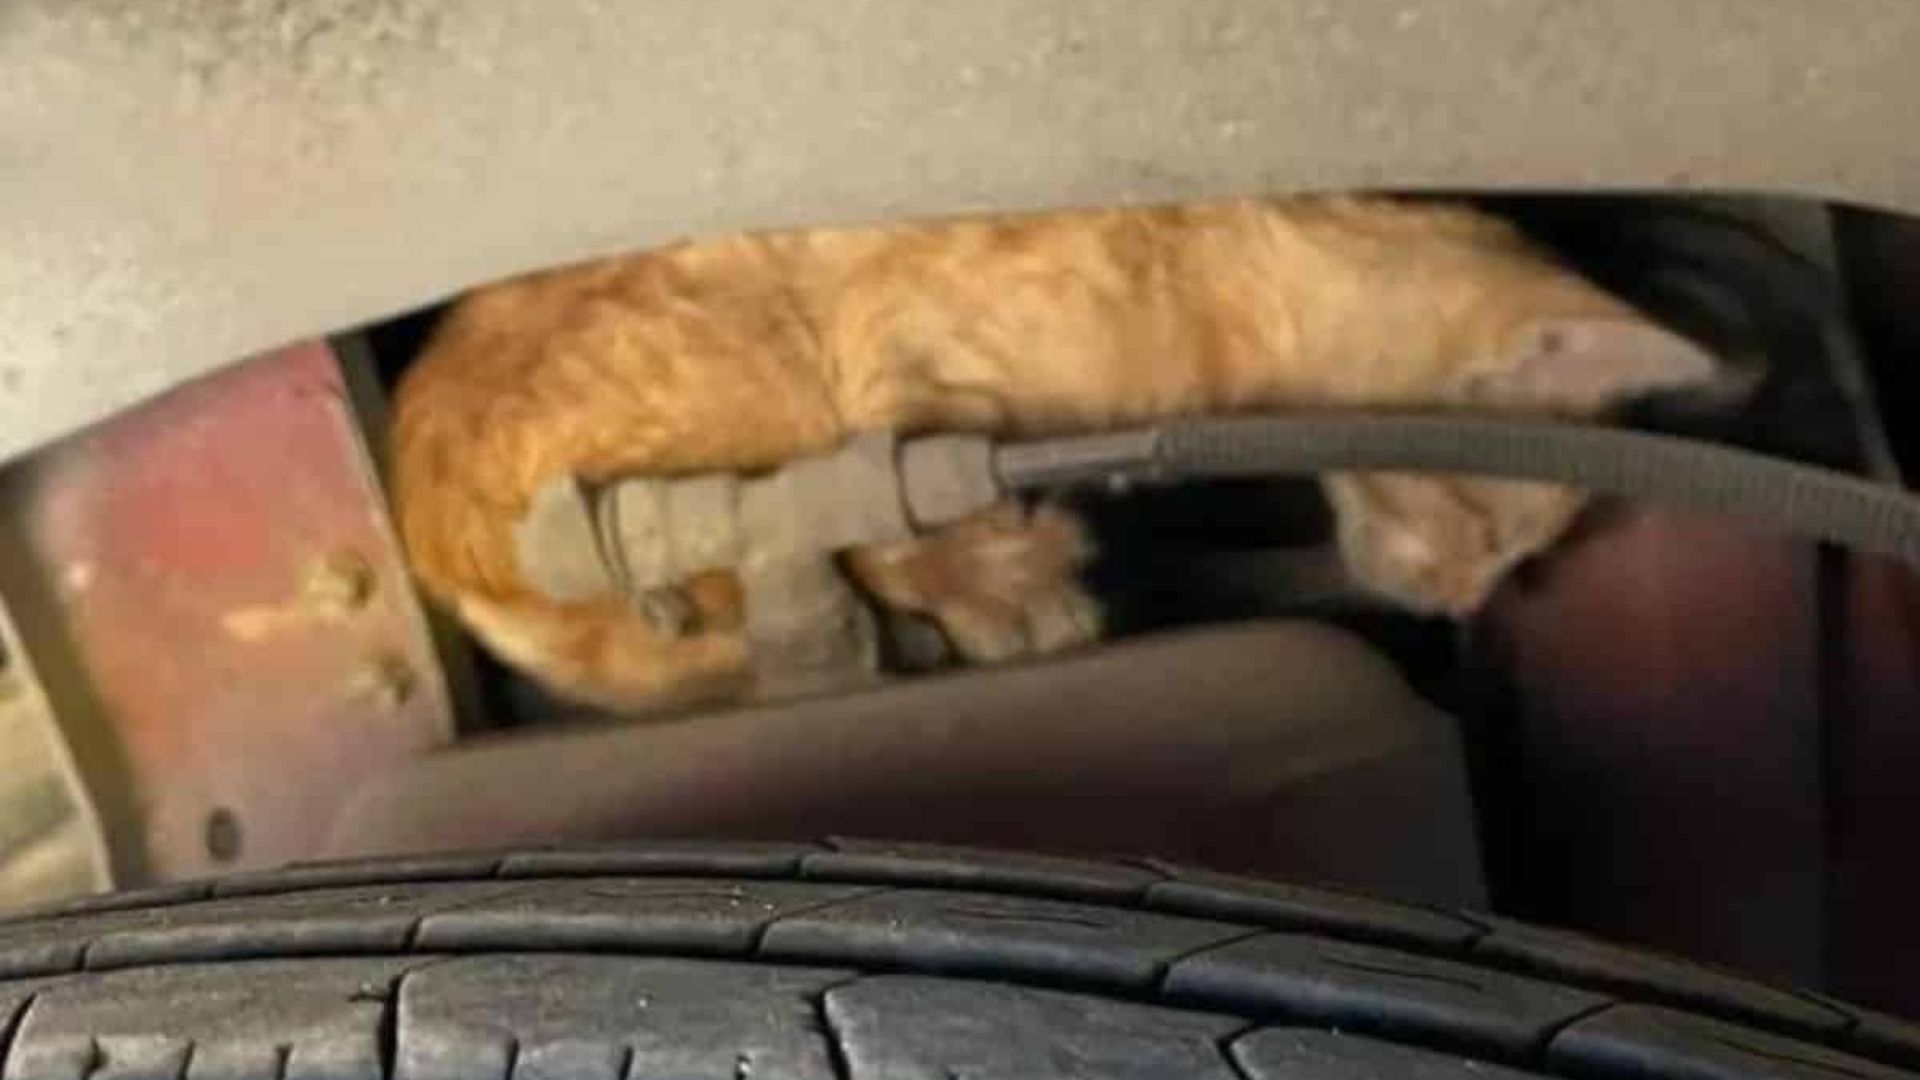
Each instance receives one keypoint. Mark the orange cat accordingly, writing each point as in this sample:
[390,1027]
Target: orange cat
[746,352]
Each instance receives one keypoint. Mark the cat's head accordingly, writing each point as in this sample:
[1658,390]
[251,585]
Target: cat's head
[1551,344]
[1462,310]
[1584,362]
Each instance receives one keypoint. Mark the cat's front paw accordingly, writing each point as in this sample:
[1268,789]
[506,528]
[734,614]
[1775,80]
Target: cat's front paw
[1044,622]
[1441,545]
[1001,585]
[1402,566]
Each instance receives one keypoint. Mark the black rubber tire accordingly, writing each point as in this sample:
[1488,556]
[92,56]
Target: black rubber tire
[863,960]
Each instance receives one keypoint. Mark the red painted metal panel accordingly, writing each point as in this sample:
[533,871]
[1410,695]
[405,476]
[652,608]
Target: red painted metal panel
[1670,787]
[237,606]
[1876,765]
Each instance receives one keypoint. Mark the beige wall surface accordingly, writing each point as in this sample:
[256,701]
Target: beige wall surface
[185,182]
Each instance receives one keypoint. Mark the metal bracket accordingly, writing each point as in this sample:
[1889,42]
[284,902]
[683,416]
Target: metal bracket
[780,532]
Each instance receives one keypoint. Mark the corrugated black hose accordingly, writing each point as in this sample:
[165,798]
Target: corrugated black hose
[1808,501]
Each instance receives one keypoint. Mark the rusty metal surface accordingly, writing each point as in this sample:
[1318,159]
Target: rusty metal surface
[1670,788]
[1876,751]
[216,572]
[51,846]
[1269,747]
[1875,760]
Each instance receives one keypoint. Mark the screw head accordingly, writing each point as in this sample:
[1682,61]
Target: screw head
[339,583]
[386,681]
[223,837]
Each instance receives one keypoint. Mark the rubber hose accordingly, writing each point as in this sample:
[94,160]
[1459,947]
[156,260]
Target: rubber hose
[1804,500]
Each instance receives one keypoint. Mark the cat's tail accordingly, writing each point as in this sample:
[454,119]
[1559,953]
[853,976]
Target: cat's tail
[607,654]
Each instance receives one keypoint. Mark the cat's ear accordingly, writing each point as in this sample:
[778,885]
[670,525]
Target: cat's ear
[1591,361]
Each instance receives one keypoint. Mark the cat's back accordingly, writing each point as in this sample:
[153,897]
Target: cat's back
[698,356]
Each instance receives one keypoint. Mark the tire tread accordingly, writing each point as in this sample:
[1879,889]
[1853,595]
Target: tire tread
[1098,948]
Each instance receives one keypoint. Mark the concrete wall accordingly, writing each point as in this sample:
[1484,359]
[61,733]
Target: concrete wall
[183,183]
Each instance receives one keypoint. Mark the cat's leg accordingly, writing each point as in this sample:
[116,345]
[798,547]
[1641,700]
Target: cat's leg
[1001,584]
[1442,545]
